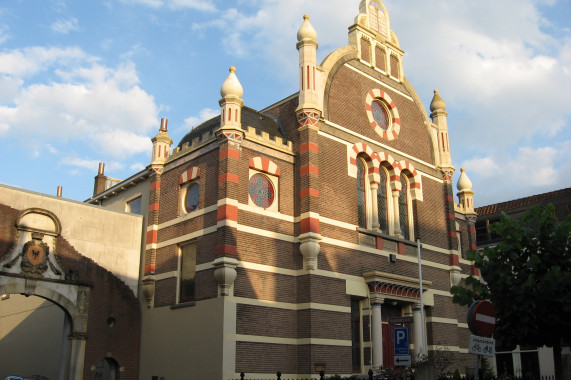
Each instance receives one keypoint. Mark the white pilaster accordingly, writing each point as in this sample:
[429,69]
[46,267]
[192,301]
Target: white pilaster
[377,330]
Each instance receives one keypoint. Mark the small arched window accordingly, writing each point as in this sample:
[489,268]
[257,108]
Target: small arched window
[361,193]
[403,207]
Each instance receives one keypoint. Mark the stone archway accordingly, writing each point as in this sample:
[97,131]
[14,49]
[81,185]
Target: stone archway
[106,369]
[31,267]
[73,299]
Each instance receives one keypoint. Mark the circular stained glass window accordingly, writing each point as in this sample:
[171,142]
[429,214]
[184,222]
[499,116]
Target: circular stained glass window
[191,198]
[380,114]
[261,190]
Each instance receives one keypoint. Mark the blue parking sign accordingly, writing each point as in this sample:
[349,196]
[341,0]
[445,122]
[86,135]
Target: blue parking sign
[400,335]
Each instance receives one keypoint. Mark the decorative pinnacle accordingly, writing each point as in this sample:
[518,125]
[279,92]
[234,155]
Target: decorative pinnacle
[306,31]
[437,102]
[231,86]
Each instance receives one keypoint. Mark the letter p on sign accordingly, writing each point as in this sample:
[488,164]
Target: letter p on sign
[400,336]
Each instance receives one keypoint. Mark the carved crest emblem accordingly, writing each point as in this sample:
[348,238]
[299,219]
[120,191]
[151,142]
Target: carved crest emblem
[34,257]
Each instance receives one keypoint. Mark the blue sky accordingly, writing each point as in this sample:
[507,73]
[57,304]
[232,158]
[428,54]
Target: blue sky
[83,82]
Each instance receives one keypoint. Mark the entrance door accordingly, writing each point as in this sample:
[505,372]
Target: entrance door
[106,369]
[388,345]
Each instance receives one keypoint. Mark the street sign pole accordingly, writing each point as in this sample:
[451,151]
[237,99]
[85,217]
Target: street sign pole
[422,346]
[477,366]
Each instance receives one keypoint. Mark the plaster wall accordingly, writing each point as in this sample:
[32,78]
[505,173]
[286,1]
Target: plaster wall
[111,239]
[184,342]
[24,320]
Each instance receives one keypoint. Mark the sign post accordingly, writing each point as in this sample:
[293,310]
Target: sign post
[482,322]
[401,349]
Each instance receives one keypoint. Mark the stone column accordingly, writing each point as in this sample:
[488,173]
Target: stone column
[375,206]
[77,356]
[377,327]
[419,346]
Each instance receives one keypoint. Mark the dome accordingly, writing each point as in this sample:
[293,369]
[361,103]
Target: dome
[231,86]
[437,103]
[464,183]
[306,31]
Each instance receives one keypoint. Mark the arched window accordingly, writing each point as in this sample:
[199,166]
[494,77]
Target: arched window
[361,192]
[382,203]
[377,18]
[106,369]
[403,207]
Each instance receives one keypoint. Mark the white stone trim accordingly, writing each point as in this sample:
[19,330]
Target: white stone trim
[290,341]
[190,236]
[291,306]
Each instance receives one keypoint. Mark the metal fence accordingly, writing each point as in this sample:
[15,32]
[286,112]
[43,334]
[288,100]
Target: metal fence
[322,376]
[372,376]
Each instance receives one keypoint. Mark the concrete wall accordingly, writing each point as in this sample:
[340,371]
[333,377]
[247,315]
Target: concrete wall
[110,239]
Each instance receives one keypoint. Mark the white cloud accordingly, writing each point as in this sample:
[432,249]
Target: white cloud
[51,149]
[503,176]
[149,3]
[29,61]
[74,160]
[534,167]
[137,166]
[201,5]
[500,69]
[9,87]
[86,102]
[482,166]
[204,114]
[65,26]
[4,35]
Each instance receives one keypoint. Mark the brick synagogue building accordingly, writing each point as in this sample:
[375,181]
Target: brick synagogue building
[284,239]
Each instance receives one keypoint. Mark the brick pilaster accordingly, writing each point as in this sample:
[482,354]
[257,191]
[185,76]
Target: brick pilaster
[228,189]
[152,223]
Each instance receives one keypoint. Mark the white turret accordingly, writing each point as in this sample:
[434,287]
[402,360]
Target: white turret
[231,102]
[439,118]
[465,193]
[309,73]
[161,146]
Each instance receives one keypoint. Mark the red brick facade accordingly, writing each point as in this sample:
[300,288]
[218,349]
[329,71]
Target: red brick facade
[299,262]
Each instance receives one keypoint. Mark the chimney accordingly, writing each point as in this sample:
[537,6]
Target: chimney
[100,178]
[59,188]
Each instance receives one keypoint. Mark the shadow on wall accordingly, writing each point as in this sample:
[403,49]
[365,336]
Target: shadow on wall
[31,335]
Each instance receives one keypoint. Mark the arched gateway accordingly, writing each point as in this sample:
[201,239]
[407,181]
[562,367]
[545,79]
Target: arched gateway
[84,260]
[31,267]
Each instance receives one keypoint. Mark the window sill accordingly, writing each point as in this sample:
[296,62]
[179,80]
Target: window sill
[395,239]
[183,304]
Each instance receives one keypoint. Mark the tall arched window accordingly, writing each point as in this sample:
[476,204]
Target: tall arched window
[382,204]
[361,193]
[403,207]
[377,18]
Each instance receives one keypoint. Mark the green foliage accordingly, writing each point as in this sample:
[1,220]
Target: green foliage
[486,370]
[527,277]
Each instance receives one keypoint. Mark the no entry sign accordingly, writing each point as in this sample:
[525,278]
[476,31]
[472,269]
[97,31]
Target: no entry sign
[482,318]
